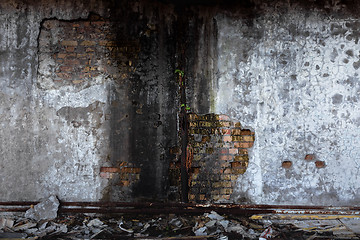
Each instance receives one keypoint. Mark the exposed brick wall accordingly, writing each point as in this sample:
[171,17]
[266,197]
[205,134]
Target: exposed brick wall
[220,154]
[125,175]
[78,52]
[83,53]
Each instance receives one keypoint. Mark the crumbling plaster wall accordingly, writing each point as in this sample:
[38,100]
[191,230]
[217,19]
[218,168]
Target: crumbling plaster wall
[56,135]
[291,74]
[286,70]
[41,153]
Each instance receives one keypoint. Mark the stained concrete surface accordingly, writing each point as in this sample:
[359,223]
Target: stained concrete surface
[287,70]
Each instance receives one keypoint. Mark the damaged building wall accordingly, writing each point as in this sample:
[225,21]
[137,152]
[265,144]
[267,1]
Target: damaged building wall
[90,100]
[84,95]
[295,79]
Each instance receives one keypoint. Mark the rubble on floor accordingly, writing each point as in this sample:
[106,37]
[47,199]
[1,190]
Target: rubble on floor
[46,209]
[170,226]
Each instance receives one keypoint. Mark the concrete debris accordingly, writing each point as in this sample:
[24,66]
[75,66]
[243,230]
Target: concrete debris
[25,226]
[214,216]
[209,226]
[6,223]
[215,224]
[95,223]
[45,210]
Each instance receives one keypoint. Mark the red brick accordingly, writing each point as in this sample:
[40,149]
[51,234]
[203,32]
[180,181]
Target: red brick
[72,62]
[227,171]
[110,169]
[224,117]
[236,131]
[77,81]
[192,117]
[63,75]
[130,170]
[236,165]
[205,139]
[224,165]
[227,197]
[243,144]
[226,177]
[87,43]
[320,164]
[108,43]
[69,43]
[237,124]
[85,24]
[227,138]
[286,164]
[243,151]
[66,69]
[224,150]
[226,157]
[61,55]
[123,164]
[226,191]
[191,197]
[233,151]
[237,138]
[238,170]
[70,49]
[105,175]
[245,132]
[248,138]
[124,183]
[226,131]
[241,158]
[224,124]
[99,23]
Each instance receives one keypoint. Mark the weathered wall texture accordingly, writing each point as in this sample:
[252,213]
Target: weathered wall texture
[86,86]
[295,80]
[89,99]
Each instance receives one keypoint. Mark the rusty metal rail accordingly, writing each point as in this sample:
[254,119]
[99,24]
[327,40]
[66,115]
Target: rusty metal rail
[183,208]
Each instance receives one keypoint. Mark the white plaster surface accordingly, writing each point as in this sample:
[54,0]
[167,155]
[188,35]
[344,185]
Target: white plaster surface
[296,84]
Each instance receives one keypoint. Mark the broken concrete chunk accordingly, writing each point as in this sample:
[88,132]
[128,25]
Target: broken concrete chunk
[214,216]
[201,231]
[210,223]
[176,223]
[95,223]
[224,223]
[24,226]
[45,210]
[6,223]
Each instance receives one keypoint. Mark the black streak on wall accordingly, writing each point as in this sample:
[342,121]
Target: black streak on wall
[144,105]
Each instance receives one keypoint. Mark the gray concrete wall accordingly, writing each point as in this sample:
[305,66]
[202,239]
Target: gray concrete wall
[56,135]
[287,70]
[292,75]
